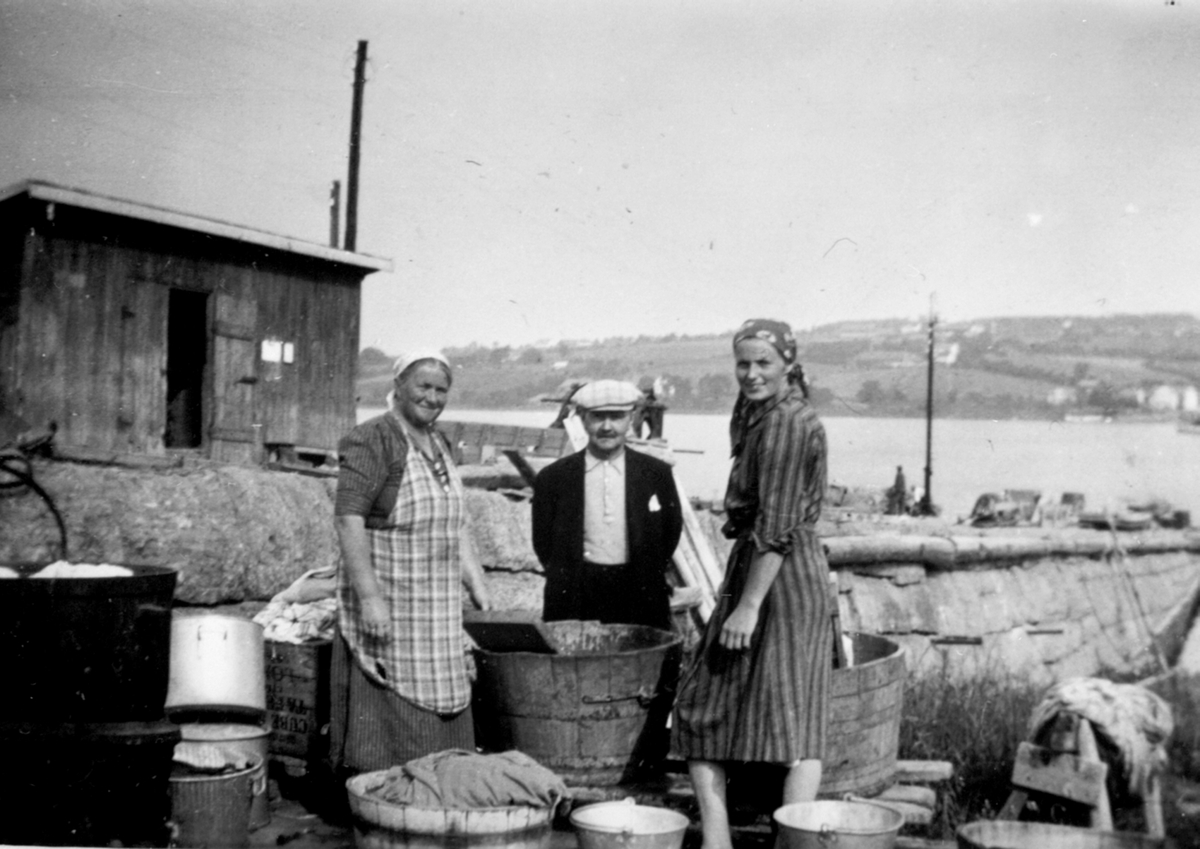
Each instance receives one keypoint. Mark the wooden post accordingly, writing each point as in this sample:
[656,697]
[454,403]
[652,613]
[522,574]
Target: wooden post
[360,68]
[926,506]
[1089,751]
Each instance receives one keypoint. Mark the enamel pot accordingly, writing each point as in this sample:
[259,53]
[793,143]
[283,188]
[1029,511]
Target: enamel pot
[217,669]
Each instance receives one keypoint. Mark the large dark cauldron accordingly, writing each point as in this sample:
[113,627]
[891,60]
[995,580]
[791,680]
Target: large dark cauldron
[86,649]
[83,672]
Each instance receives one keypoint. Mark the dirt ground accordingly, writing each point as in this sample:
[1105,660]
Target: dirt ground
[302,818]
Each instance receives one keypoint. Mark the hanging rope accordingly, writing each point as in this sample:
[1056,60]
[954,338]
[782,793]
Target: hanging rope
[16,465]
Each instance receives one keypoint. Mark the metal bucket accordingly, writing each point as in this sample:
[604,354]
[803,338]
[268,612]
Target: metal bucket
[837,825]
[250,740]
[379,824]
[217,670]
[865,704]
[212,811]
[1011,834]
[624,825]
[595,712]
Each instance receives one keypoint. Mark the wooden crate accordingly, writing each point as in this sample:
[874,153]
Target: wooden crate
[298,698]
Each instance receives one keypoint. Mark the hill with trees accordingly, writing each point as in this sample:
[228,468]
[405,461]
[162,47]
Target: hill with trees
[1028,367]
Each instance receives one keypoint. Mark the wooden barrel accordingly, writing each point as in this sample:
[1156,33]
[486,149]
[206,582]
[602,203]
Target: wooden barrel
[866,702]
[595,712]
[380,824]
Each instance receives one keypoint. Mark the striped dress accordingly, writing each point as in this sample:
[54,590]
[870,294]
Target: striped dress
[769,703]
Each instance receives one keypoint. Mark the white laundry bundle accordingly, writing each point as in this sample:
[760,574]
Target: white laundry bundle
[305,611]
[1133,720]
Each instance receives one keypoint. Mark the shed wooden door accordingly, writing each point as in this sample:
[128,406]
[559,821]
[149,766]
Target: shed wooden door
[233,435]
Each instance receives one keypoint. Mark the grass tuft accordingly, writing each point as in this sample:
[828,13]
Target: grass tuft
[976,725]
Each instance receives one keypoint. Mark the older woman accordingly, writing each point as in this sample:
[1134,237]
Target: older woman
[399,679]
[757,690]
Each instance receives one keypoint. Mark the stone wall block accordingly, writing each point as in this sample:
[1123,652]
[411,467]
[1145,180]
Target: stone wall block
[1053,648]
[515,590]
[502,530]
[1033,585]
[966,602]
[879,606]
[1110,654]
[1106,595]
[900,574]
[1002,610]
[1021,655]
[1078,664]
[1055,597]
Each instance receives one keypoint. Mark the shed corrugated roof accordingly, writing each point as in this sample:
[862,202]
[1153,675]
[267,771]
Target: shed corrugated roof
[51,193]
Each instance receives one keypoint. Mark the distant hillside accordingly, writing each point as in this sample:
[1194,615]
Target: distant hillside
[1040,367]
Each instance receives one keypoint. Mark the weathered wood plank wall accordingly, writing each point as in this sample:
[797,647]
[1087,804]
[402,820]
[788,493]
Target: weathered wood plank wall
[311,401]
[84,338]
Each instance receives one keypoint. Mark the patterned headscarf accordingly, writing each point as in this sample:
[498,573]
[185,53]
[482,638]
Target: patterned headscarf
[778,334]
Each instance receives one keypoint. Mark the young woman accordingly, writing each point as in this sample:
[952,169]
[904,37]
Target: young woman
[758,687]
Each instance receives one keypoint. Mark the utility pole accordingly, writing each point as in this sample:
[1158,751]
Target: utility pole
[360,72]
[335,212]
[926,508]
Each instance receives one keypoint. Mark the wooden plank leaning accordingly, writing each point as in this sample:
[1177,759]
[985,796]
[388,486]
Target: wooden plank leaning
[694,559]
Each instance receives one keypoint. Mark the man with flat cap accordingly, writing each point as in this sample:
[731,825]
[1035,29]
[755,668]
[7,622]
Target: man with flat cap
[606,520]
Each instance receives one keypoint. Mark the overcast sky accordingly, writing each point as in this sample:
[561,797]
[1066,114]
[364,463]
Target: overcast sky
[546,170]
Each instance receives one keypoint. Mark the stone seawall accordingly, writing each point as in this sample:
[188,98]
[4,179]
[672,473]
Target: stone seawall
[1044,617]
[1040,603]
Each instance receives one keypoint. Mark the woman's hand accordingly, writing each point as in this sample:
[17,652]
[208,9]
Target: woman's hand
[374,617]
[480,596]
[375,622]
[472,570]
[739,627]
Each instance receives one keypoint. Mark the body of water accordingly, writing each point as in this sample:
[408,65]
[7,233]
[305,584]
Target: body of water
[1107,462]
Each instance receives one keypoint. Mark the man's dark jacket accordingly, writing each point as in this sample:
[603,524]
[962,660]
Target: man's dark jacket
[651,534]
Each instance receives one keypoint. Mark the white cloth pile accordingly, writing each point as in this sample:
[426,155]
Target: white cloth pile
[63,569]
[1132,720]
[305,611]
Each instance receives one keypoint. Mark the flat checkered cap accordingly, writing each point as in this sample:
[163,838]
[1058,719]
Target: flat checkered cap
[607,395]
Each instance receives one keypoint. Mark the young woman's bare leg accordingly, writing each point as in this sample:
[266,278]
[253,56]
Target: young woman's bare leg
[708,783]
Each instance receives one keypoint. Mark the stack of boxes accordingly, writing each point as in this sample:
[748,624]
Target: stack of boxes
[298,706]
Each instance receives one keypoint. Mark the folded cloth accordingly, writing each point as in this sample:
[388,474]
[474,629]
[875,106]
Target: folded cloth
[295,622]
[1132,720]
[459,779]
[212,757]
[313,585]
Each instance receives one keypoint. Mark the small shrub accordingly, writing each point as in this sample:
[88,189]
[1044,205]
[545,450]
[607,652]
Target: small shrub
[976,724]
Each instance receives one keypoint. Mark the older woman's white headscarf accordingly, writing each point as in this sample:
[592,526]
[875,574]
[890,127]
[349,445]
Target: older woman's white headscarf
[407,359]
[411,357]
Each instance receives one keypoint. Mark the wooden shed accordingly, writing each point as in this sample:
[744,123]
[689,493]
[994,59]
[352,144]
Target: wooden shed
[140,330]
